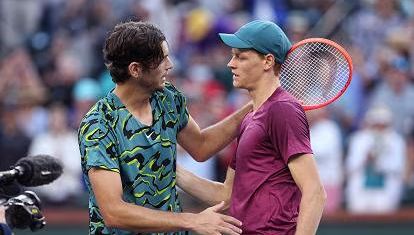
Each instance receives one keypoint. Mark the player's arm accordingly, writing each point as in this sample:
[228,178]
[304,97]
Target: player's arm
[2,216]
[304,171]
[202,144]
[205,190]
[107,188]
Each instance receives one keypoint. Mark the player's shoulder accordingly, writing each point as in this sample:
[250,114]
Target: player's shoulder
[98,109]
[99,114]
[170,94]
[286,109]
[286,106]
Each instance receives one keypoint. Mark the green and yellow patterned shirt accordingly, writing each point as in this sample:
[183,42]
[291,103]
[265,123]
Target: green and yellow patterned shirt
[145,156]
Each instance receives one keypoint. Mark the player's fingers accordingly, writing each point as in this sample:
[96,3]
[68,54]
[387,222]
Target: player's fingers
[232,220]
[218,207]
[228,231]
[232,227]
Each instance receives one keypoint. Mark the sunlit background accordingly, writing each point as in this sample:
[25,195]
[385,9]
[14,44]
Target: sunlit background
[51,72]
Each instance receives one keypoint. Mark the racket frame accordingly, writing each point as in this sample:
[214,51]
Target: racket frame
[342,51]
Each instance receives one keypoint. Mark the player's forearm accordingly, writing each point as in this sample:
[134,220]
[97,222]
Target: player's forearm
[2,212]
[131,217]
[219,135]
[204,190]
[310,211]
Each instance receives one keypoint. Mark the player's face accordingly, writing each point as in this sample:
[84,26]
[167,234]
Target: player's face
[247,68]
[156,78]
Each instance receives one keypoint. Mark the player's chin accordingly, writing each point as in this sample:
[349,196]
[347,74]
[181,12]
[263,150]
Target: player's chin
[236,84]
[160,86]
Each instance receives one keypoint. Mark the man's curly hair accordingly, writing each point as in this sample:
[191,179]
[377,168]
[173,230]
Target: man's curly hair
[133,42]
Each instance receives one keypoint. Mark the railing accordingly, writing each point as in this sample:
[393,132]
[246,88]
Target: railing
[55,216]
[400,216]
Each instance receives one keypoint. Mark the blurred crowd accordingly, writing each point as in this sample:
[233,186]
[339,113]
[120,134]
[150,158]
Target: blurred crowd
[52,71]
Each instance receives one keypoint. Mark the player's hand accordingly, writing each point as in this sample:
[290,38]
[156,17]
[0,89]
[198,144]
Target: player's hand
[211,222]
[2,211]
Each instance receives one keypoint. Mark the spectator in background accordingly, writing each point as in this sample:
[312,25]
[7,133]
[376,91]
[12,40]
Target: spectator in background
[328,151]
[14,143]
[85,94]
[275,11]
[408,196]
[21,85]
[297,26]
[105,82]
[348,111]
[375,165]
[19,19]
[165,15]
[369,26]
[19,75]
[62,77]
[397,93]
[60,141]
[203,169]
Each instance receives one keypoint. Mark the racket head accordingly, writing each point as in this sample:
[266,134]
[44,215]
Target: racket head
[316,71]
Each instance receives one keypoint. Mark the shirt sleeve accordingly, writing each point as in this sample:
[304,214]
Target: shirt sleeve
[180,102]
[289,130]
[232,163]
[97,145]
[183,111]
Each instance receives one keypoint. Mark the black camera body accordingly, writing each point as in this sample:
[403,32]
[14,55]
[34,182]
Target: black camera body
[24,211]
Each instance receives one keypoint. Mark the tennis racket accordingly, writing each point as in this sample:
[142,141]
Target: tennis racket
[316,71]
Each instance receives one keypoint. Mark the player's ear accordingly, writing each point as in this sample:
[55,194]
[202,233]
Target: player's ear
[269,61]
[135,70]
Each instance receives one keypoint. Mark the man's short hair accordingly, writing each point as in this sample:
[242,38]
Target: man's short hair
[129,42]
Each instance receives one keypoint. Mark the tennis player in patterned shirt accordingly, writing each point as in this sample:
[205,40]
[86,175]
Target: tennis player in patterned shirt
[128,143]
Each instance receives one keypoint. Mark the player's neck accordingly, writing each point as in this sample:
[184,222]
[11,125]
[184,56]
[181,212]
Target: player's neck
[263,90]
[131,95]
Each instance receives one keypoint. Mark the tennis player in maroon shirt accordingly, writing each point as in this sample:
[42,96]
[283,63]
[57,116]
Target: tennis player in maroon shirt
[272,184]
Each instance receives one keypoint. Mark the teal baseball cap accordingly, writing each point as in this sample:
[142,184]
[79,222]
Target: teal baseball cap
[263,36]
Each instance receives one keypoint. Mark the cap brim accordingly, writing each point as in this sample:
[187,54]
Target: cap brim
[233,41]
